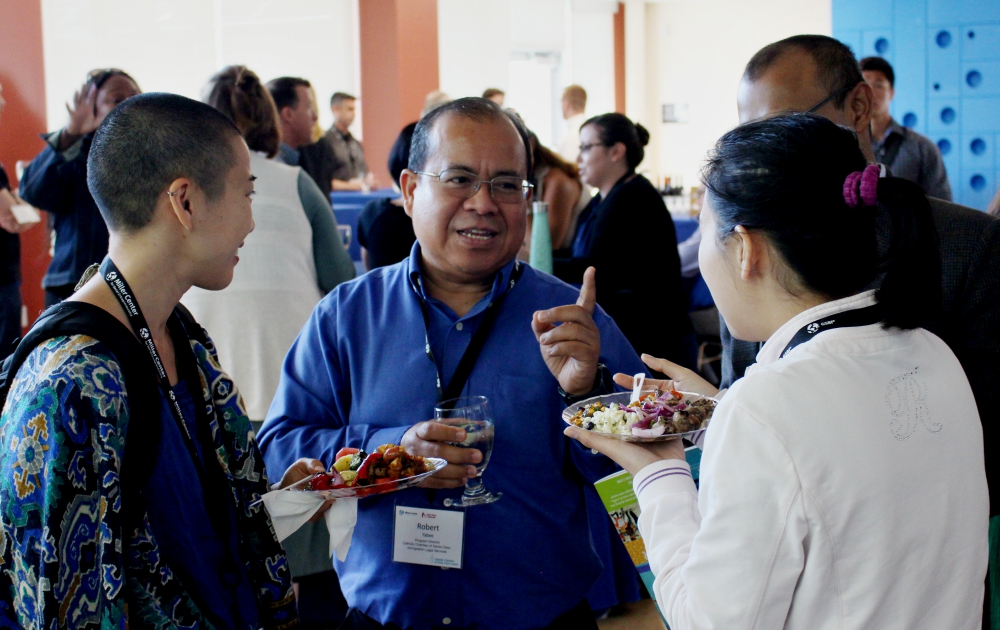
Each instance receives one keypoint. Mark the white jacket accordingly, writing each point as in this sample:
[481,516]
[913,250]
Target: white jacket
[841,487]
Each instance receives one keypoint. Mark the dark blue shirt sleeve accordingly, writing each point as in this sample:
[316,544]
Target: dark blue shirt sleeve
[310,412]
[45,183]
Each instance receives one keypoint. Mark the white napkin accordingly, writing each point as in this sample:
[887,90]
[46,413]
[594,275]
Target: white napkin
[291,510]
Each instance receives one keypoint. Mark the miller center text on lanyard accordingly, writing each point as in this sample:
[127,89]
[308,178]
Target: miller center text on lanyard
[116,282]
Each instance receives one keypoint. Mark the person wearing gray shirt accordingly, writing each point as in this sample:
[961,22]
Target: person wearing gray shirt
[906,153]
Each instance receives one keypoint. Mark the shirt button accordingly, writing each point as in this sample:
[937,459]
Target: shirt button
[446,620]
[459,326]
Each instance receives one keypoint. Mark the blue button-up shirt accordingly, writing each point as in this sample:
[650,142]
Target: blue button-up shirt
[358,376]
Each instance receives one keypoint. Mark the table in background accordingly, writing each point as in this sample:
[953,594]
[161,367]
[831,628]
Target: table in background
[347,207]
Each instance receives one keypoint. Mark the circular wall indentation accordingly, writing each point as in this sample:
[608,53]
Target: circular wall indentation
[978,146]
[972,34]
[943,39]
[974,78]
[909,120]
[881,45]
[944,144]
[978,182]
[948,115]
[937,86]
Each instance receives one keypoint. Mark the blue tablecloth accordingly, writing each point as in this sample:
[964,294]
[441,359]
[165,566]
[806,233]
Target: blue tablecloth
[347,206]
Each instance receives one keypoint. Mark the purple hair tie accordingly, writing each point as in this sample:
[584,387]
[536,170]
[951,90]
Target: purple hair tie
[861,187]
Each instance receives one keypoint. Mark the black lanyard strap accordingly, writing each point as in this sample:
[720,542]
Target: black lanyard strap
[471,355]
[858,317]
[119,286]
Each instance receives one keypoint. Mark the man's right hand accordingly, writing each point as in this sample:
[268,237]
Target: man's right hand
[430,439]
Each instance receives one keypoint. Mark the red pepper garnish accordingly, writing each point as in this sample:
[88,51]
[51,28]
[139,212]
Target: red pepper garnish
[366,465]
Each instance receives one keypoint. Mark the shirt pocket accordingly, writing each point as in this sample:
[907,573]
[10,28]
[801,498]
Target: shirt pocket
[527,422]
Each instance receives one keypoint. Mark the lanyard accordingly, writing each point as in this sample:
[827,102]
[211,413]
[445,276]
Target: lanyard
[130,305]
[857,317]
[468,360]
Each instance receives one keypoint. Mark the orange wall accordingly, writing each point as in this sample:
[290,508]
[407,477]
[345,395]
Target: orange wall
[620,59]
[399,66]
[22,73]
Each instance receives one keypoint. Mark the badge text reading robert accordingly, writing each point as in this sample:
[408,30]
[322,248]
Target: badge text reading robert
[431,537]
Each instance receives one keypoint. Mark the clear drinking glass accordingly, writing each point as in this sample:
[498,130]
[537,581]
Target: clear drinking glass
[473,414]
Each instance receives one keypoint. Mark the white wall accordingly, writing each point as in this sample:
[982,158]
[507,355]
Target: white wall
[176,45]
[531,49]
[699,49]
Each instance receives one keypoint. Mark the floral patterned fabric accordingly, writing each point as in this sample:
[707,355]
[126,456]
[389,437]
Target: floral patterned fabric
[66,559]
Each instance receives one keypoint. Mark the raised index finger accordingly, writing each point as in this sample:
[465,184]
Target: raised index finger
[588,292]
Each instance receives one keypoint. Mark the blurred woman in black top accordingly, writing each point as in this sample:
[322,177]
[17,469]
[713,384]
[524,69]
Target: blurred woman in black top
[385,233]
[627,234]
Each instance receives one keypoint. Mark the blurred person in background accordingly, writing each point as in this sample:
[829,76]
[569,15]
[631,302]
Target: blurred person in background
[905,152]
[433,100]
[293,258]
[10,261]
[642,289]
[296,116]
[494,94]
[574,104]
[350,169]
[317,158]
[56,181]
[994,208]
[557,182]
[385,231]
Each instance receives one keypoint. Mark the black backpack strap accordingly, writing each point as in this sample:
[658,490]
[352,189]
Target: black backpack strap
[80,318]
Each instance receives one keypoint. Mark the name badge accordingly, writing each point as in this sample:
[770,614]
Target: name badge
[427,536]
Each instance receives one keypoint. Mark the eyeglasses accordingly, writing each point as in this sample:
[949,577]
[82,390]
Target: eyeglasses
[826,100]
[464,185]
[587,147]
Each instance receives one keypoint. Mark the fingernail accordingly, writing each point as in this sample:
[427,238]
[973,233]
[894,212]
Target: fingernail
[471,472]
[477,457]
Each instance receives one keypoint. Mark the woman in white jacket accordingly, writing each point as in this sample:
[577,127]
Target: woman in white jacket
[842,481]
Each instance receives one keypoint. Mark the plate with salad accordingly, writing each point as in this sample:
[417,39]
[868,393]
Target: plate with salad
[356,474]
[648,417]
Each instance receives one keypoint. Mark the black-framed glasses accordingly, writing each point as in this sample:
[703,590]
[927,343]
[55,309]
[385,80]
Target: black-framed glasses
[817,106]
[587,147]
[464,185]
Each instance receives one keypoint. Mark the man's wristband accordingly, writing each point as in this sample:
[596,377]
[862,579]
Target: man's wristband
[603,384]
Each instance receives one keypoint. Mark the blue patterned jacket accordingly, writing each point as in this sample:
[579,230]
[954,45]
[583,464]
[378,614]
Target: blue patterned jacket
[66,559]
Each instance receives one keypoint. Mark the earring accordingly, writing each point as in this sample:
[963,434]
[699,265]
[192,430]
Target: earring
[170,194]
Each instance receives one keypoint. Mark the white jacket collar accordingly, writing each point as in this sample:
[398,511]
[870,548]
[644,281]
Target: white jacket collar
[772,350]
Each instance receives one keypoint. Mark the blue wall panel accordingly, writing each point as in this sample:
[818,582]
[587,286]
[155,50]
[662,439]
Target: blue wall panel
[946,55]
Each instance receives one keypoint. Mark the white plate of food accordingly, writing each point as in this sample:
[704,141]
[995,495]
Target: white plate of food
[655,417]
[357,474]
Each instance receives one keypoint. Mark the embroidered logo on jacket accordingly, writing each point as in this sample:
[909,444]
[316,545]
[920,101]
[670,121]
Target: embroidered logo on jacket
[906,397]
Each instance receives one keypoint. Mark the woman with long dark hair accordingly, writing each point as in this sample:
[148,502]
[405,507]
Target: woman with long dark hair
[627,234]
[842,481]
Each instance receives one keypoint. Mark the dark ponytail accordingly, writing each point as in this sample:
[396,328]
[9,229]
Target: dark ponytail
[615,128]
[238,93]
[785,176]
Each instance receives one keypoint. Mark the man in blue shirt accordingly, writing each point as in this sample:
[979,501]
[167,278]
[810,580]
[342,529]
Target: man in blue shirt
[360,375]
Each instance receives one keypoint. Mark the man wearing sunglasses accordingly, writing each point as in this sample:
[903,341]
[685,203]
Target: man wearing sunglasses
[456,319]
[814,73]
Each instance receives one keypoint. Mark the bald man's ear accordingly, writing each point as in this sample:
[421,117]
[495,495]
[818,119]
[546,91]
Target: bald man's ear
[407,185]
[859,107]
